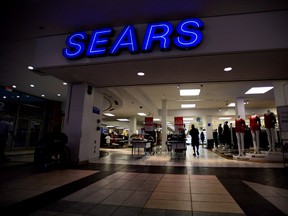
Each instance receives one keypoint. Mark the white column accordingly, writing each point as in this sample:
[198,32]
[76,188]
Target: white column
[164,125]
[240,108]
[281,99]
[281,93]
[132,125]
[209,127]
[83,122]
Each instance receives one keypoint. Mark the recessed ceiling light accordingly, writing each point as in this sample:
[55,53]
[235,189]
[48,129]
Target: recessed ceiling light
[140,73]
[108,114]
[189,92]
[228,69]
[30,67]
[32,86]
[64,83]
[231,105]
[188,105]
[259,90]
[43,95]
[58,95]
[123,119]
[14,86]
[141,114]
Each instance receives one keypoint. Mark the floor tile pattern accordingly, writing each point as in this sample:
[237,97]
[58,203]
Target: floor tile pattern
[124,193]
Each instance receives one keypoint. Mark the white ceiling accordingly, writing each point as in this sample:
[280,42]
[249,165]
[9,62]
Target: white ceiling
[30,19]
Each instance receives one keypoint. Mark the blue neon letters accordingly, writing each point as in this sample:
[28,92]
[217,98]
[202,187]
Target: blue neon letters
[187,35]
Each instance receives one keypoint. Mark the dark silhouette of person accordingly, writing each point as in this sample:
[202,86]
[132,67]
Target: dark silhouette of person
[226,135]
[202,137]
[215,137]
[220,133]
[194,133]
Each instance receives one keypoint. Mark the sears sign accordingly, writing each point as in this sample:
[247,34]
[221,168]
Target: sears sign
[185,35]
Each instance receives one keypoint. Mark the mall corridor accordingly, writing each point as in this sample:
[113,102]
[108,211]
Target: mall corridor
[159,184]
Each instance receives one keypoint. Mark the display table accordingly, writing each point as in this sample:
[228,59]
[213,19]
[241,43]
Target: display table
[177,146]
[141,143]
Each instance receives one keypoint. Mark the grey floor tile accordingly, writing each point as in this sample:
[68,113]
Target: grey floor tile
[102,210]
[127,211]
[137,199]
[118,197]
[205,214]
[154,212]
[80,208]
[178,213]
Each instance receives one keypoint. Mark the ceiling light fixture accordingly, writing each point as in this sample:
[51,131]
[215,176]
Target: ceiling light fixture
[123,120]
[259,90]
[108,114]
[140,73]
[228,69]
[32,86]
[30,67]
[189,92]
[188,105]
[141,114]
[224,118]
[231,105]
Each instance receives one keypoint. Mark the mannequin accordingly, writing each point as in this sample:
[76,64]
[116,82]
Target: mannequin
[240,131]
[255,125]
[270,121]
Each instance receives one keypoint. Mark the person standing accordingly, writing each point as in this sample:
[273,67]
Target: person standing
[108,139]
[194,133]
[226,135]
[270,121]
[220,134]
[255,125]
[240,131]
[5,129]
[215,137]
[202,137]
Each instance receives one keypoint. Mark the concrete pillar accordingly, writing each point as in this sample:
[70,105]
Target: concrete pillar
[281,101]
[83,122]
[240,108]
[209,127]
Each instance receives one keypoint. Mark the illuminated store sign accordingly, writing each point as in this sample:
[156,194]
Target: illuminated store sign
[186,35]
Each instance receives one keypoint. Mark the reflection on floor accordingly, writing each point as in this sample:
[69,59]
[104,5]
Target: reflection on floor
[159,184]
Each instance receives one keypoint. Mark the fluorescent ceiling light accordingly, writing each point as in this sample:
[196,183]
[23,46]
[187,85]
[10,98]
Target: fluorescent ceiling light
[156,119]
[188,105]
[141,114]
[110,126]
[189,92]
[224,118]
[228,69]
[231,105]
[140,73]
[108,114]
[123,120]
[259,90]
[188,119]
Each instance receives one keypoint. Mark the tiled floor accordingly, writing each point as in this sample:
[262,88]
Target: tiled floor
[149,185]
